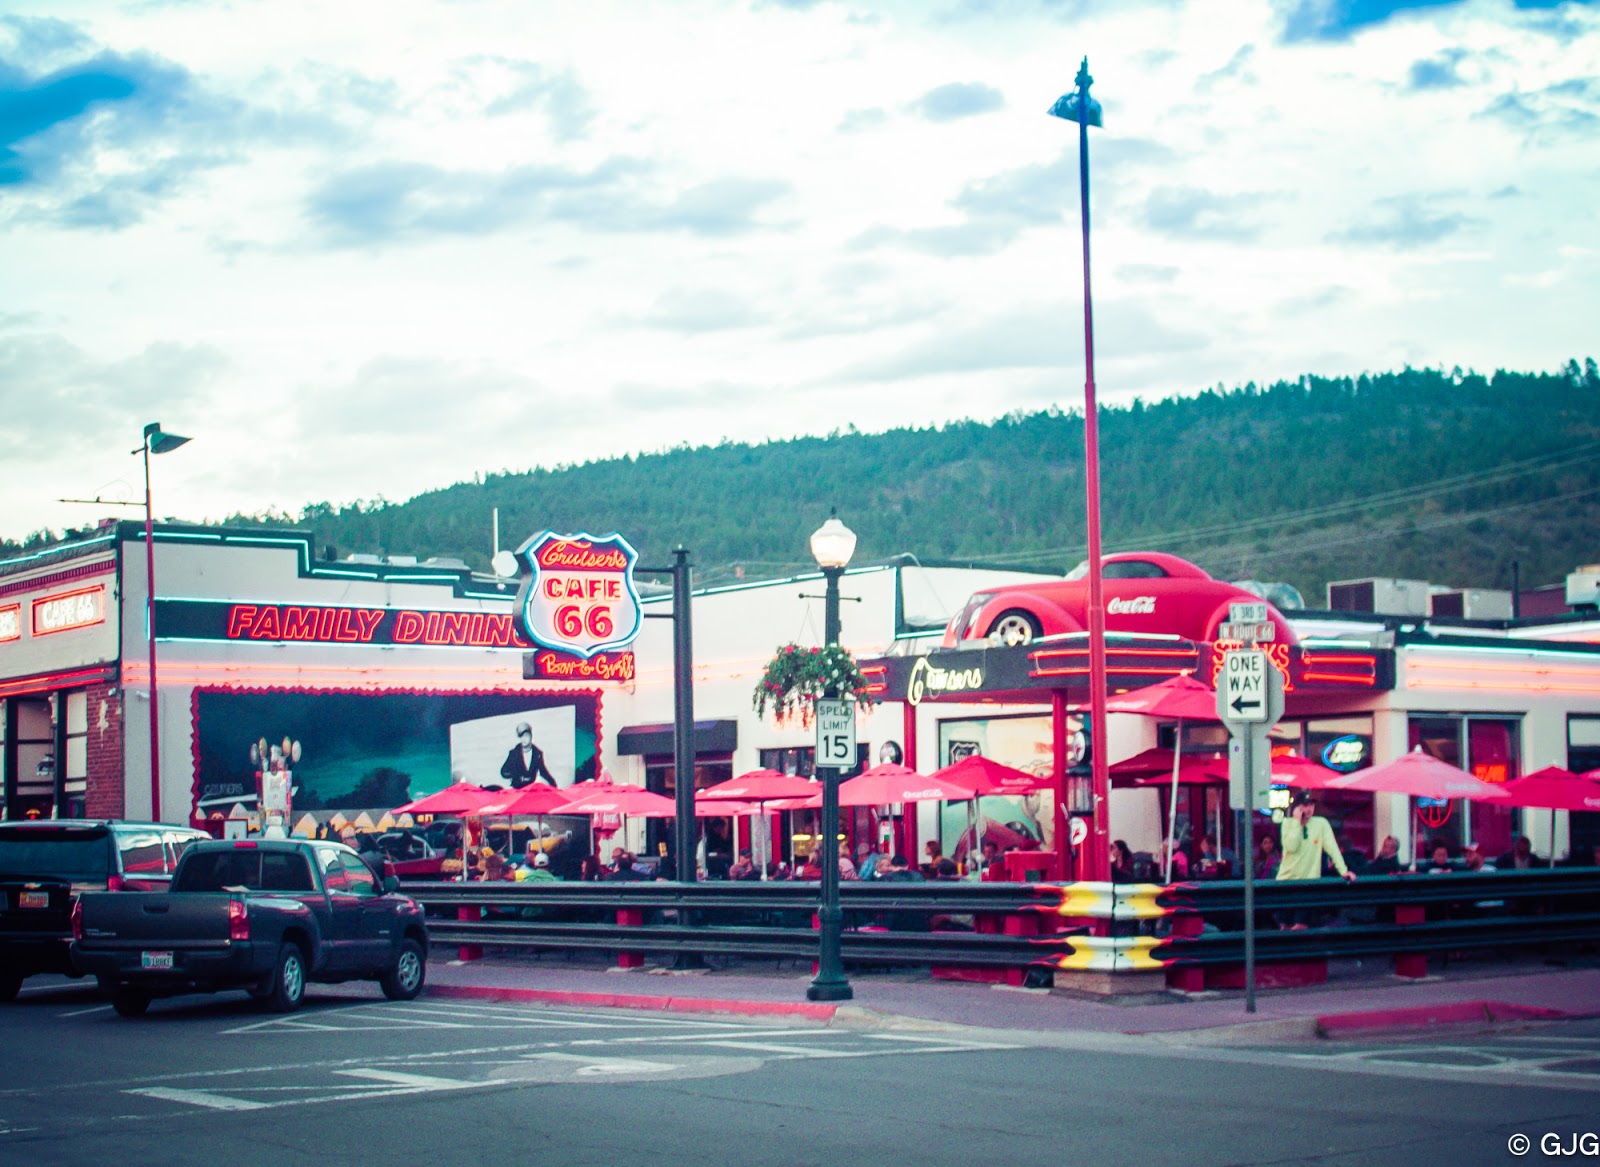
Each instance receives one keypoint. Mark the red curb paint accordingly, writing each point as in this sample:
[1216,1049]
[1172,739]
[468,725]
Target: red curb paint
[636,1001]
[1422,1016]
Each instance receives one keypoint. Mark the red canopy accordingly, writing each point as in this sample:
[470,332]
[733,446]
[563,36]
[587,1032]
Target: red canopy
[1179,697]
[612,798]
[761,786]
[459,798]
[891,782]
[1419,775]
[987,776]
[536,799]
[1554,789]
[1288,770]
[1154,768]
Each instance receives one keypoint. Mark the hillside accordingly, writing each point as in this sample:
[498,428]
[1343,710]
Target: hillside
[1418,473]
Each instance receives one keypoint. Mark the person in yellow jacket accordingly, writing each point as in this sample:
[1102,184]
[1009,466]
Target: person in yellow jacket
[1306,838]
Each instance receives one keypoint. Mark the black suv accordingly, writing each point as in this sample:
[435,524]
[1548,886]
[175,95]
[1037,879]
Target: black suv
[45,864]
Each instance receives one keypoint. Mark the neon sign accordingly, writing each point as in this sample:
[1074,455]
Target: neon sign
[579,597]
[329,624]
[926,678]
[602,666]
[10,623]
[67,610]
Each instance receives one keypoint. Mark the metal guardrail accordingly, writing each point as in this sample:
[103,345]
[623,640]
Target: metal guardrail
[774,920]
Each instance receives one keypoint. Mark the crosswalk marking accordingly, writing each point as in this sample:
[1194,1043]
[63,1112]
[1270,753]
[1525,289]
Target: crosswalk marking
[202,1098]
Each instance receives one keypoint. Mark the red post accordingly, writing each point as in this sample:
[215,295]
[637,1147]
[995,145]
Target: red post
[908,815]
[1058,766]
[469,951]
[1410,964]
[630,918]
[1192,978]
[150,635]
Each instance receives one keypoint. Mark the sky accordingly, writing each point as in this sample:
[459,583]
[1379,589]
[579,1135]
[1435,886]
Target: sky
[358,251]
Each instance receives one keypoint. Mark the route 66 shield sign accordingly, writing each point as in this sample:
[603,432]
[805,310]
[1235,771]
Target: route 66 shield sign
[577,592]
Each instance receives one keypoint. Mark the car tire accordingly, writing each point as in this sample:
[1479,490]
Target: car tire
[130,1002]
[403,980]
[10,986]
[1014,626]
[288,987]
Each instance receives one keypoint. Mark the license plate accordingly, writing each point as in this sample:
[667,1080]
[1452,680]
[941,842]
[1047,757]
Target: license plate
[34,899]
[155,960]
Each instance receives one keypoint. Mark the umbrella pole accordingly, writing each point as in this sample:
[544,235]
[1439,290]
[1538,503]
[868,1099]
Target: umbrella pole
[1552,837]
[1172,807]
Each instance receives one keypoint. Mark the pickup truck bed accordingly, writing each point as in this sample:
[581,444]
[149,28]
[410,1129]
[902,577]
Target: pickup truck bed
[263,915]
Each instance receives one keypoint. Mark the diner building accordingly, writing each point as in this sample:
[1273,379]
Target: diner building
[374,681]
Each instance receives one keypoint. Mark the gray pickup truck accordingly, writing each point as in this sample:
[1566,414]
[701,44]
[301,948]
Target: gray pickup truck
[257,914]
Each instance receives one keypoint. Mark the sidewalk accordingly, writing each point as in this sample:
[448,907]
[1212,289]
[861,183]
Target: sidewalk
[1359,1000]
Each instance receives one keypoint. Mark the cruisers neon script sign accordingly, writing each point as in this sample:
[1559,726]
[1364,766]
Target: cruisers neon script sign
[578,595]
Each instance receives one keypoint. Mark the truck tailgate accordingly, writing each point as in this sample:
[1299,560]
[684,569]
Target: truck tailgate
[118,920]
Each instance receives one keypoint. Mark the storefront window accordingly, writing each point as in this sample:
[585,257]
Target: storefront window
[1023,823]
[75,778]
[1583,755]
[1487,747]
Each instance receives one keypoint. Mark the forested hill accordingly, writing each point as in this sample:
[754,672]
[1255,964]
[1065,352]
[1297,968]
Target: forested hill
[1420,473]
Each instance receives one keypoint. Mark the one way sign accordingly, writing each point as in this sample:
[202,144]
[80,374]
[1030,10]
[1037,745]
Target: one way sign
[1242,698]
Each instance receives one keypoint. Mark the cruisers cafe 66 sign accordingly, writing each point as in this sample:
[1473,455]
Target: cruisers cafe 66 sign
[577,597]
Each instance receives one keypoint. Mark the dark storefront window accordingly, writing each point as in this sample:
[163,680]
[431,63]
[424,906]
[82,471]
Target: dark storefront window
[1583,755]
[1487,747]
[30,756]
[661,777]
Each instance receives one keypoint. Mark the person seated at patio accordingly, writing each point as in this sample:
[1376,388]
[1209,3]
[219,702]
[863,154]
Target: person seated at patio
[1180,861]
[538,870]
[946,869]
[1472,859]
[1388,860]
[591,869]
[847,866]
[777,869]
[807,867]
[1519,858]
[624,872]
[1440,863]
[867,860]
[934,853]
[1267,858]
[744,867]
[1213,862]
[1121,862]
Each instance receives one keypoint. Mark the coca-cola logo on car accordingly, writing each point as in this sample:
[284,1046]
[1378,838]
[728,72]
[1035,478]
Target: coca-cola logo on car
[1132,606]
[578,596]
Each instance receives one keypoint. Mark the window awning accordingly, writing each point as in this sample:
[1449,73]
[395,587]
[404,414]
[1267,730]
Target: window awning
[710,737]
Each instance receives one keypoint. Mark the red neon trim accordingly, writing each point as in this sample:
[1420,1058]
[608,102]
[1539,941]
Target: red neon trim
[1339,679]
[1149,670]
[47,681]
[1117,651]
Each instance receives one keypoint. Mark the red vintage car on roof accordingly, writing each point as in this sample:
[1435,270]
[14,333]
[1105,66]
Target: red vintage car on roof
[1144,592]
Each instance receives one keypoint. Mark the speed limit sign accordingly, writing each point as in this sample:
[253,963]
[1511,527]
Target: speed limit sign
[836,734]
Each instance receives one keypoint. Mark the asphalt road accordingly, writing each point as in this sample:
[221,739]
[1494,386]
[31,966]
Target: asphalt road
[353,1078]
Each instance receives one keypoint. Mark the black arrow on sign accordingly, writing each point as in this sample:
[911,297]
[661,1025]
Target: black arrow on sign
[1240,704]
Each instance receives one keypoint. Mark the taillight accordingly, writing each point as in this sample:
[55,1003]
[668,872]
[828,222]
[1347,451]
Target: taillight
[238,920]
[77,919]
[116,883]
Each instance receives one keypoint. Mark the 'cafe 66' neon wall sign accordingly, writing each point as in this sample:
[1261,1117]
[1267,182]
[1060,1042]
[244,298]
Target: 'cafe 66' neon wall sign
[578,594]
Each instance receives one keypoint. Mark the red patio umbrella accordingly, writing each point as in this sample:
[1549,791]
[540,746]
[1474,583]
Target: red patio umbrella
[614,798]
[1288,770]
[987,776]
[891,782]
[537,799]
[1556,789]
[761,786]
[1419,775]
[459,798]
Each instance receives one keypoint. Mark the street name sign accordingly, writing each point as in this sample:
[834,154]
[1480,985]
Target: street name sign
[1251,612]
[1264,633]
[836,734]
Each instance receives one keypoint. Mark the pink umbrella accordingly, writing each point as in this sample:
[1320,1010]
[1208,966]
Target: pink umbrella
[726,808]
[618,799]
[1181,697]
[1288,770]
[761,786]
[1556,789]
[537,799]
[986,776]
[460,798]
[1419,775]
[895,783]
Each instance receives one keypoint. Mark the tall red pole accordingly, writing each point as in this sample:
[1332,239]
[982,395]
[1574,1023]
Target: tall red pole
[150,635]
[1098,856]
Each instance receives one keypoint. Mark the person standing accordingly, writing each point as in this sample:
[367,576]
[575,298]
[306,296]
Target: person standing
[524,763]
[1306,840]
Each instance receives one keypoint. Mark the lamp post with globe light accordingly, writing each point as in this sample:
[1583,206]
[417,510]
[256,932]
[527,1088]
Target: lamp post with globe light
[156,441]
[832,545]
[1079,107]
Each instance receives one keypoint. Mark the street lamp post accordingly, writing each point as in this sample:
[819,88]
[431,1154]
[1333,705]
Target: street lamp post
[1079,107]
[155,442]
[832,545]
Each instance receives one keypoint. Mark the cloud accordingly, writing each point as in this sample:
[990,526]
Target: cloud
[702,310]
[949,103]
[1567,107]
[858,120]
[555,92]
[1404,222]
[1190,212]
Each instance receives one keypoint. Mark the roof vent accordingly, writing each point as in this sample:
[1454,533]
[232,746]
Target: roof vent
[1384,597]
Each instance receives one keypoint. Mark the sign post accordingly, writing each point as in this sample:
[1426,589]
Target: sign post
[1250,702]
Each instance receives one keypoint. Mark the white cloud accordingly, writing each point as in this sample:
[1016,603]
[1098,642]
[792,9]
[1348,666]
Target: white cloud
[356,257]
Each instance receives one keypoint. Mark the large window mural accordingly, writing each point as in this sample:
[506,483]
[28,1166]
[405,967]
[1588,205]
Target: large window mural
[1025,823]
[364,750]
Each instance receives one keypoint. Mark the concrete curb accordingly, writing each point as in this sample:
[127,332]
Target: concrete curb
[1434,1016]
[809,1010]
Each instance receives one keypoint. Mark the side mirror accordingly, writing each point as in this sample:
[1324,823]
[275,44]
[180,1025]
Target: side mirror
[390,884]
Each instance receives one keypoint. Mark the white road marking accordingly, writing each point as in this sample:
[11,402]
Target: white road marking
[417,1081]
[81,1012]
[599,1067]
[200,1098]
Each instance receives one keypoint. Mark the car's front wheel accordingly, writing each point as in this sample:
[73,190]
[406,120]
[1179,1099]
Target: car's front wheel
[403,979]
[1014,626]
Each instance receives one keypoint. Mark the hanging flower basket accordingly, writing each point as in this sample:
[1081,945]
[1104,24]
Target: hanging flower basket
[796,676]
